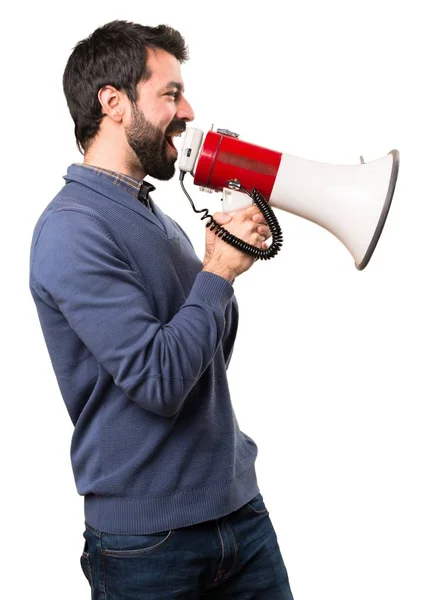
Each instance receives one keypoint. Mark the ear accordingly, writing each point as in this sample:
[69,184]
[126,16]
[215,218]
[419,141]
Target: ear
[112,102]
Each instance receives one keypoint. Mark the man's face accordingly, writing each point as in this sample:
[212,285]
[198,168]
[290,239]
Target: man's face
[160,112]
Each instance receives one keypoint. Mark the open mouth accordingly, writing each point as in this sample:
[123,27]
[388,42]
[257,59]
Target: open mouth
[169,139]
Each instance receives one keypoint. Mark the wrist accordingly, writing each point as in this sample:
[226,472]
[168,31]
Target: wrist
[220,270]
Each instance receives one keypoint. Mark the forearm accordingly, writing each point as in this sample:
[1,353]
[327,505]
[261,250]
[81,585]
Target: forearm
[168,360]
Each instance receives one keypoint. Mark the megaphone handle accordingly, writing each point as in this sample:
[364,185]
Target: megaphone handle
[272,222]
[233,240]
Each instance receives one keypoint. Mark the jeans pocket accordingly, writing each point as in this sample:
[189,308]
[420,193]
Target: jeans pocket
[85,565]
[131,546]
[257,505]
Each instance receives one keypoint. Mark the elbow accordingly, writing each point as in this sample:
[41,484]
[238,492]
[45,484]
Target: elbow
[167,410]
[164,400]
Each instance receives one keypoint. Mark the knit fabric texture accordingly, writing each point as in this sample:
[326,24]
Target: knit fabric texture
[140,339]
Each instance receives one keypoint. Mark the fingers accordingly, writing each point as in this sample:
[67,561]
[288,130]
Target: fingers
[258,217]
[263,230]
[222,218]
[249,212]
[247,224]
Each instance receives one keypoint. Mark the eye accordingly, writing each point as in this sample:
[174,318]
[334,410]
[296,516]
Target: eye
[173,95]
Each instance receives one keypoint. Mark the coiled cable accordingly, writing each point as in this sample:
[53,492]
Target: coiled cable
[233,240]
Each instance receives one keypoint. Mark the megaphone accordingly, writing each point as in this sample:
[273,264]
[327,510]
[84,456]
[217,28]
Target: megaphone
[351,202]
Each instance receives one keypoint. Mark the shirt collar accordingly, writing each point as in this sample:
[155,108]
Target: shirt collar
[137,188]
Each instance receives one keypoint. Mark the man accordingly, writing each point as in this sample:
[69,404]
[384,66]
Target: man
[140,334]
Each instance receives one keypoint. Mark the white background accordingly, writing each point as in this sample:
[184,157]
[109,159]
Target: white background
[328,372]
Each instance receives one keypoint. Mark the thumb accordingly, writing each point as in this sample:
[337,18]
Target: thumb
[222,218]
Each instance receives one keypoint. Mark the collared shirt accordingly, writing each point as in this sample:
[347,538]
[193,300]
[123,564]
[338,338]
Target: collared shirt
[137,188]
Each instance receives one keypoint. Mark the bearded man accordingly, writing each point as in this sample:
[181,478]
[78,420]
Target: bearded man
[140,334]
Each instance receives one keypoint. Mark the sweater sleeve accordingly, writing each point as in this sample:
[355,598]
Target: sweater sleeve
[230,333]
[231,318]
[79,268]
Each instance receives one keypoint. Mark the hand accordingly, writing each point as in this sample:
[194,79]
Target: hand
[225,260]
[223,219]
[211,237]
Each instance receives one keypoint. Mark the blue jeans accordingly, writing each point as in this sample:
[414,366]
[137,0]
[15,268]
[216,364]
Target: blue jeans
[236,556]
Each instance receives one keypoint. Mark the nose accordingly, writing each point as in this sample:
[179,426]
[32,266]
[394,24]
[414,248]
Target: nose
[185,111]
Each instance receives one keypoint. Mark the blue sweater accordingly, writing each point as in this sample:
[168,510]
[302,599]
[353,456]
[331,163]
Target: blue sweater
[140,339]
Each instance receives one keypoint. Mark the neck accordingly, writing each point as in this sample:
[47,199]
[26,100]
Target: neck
[121,161]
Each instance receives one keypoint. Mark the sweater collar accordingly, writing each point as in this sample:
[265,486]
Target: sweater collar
[102,183]
[136,187]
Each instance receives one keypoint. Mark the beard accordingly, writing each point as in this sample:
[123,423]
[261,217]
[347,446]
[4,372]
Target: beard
[149,144]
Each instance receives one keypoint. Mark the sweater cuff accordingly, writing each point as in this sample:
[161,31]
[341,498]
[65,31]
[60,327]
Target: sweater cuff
[212,289]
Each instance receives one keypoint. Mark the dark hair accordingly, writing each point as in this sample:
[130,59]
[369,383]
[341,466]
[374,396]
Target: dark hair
[114,54]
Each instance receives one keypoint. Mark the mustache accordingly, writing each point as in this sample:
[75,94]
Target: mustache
[176,126]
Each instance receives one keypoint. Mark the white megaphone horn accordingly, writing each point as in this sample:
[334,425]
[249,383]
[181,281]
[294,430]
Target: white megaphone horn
[352,202]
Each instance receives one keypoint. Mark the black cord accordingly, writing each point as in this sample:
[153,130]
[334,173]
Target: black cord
[233,240]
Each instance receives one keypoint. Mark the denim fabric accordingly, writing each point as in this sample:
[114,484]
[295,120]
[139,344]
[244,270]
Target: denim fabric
[236,556]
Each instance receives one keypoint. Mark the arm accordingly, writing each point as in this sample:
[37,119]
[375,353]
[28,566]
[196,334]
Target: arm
[80,269]
[230,333]
[212,261]
[231,314]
